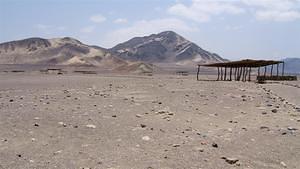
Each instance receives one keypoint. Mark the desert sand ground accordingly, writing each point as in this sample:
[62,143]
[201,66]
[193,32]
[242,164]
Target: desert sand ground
[146,122]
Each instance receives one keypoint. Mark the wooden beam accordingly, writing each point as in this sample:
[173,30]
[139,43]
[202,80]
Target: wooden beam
[225,74]
[277,70]
[198,72]
[258,72]
[265,71]
[230,74]
[221,73]
[272,70]
[283,69]
[235,70]
[249,79]
[237,74]
[244,71]
[240,74]
[218,74]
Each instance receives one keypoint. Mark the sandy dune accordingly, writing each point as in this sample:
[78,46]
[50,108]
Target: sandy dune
[163,121]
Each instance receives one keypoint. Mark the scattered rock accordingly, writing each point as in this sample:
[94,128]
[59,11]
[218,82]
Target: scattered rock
[292,129]
[203,143]
[200,149]
[162,112]
[91,126]
[146,138]
[162,130]
[36,125]
[265,128]
[138,115]
[143,125]
[283,164]
[114,116]
[175,145]
[230,160]
[11,100]
[274,111]
[215,145]
[62,124]
[57,152]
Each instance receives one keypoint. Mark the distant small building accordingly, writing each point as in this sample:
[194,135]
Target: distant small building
[182,73]
[52,71]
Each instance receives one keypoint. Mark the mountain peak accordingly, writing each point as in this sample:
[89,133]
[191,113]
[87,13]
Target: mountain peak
[167,33]
[70,40]
[164,47]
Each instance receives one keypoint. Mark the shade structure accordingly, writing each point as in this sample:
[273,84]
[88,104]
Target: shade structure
[244,63]
[242,69]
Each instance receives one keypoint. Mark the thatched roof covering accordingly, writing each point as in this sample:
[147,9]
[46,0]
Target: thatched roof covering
[244,63]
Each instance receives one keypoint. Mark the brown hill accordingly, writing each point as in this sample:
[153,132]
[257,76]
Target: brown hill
[59,51]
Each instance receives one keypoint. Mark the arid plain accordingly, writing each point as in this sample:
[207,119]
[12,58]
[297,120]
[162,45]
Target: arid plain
[160,121]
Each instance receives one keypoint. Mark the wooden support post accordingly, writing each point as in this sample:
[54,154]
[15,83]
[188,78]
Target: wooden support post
[258,72]
[235,69]
[231,74]
[249,79]
[244,71]
[283,69]
[277,70]
[240,74]
[225,74]
[237,73]
[221,73]
[272,71]
[218,74]
[198,72]
[265,72]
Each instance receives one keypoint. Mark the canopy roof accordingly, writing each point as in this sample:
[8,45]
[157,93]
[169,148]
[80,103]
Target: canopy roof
[244,63]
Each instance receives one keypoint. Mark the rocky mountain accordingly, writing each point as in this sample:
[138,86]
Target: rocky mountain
[165,47]
[59,51]
[137,53]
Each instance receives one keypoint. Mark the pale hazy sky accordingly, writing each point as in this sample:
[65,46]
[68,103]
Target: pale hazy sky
[234,29]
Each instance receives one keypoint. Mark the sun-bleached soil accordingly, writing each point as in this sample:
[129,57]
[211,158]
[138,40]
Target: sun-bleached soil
[146,122]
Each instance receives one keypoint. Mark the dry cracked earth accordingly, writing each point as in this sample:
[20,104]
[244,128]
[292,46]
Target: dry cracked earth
[140,122]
